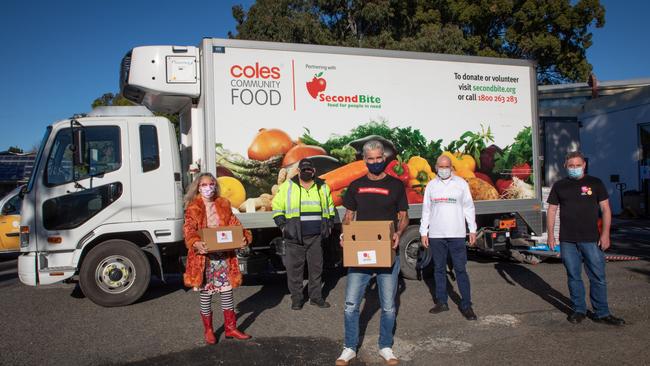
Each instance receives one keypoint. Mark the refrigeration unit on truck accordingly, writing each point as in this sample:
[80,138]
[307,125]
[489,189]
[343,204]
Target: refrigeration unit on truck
[105,198]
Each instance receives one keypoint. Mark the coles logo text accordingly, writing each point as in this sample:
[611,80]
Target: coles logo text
[255,84]
[328,94]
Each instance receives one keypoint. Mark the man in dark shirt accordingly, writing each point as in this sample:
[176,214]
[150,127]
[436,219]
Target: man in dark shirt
[377,196]
[581,198]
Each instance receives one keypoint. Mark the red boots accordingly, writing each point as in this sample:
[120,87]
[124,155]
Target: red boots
[230,324]
[208,331]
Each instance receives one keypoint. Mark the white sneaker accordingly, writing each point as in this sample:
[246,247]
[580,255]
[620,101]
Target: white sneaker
[388,355]
[345,357]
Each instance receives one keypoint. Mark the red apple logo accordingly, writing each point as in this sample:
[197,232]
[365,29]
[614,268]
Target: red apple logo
[316,85]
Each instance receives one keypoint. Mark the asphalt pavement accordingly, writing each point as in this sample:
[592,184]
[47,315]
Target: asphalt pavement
[522,313]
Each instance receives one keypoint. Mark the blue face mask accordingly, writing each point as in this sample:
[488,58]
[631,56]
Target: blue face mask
[575,173]
[376,168]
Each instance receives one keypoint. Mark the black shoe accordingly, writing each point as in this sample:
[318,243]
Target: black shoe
[610,319]
[576,318]
[439,308]
[296,305]
[469,314]
[320,303]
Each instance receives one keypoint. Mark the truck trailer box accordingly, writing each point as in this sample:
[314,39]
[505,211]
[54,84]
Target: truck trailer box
[265,105]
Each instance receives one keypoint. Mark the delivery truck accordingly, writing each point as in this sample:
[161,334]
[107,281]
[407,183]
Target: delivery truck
[105,200]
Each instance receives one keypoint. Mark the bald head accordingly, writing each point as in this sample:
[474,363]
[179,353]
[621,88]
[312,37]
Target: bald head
[443,161]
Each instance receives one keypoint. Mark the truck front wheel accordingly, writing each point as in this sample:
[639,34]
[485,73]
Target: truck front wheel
[115,273]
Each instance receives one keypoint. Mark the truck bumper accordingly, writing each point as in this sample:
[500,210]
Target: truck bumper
[27,269]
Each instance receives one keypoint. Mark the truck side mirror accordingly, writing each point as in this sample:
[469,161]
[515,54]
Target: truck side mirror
[78,147]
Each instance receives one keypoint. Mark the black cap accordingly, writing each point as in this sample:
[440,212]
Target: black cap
[306,164]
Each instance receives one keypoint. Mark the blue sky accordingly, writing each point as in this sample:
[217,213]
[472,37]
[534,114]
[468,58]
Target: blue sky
[58,56]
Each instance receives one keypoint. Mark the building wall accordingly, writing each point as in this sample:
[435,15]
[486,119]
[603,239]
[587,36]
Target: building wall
[609,138]
[560,135]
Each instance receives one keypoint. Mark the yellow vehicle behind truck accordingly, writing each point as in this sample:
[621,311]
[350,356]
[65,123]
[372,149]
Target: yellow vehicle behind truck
[10,221]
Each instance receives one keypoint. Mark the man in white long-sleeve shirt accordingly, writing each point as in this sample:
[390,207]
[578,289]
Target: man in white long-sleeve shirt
[447,206]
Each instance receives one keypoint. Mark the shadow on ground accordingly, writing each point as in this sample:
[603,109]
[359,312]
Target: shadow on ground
[520,274]
[257,351]
[8,269]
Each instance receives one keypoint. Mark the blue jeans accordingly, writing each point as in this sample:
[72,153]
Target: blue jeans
[357,281]
[573,256]
[455,247]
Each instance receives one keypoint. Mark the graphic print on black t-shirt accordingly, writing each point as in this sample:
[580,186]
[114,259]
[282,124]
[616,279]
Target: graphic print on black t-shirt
[376,200]
[579,201]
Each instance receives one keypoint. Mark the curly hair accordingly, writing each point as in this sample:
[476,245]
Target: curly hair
[193,189]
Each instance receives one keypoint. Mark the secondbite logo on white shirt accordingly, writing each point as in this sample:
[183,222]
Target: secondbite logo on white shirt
[443,200]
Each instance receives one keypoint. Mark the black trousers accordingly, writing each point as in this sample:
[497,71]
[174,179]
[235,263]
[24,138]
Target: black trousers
[312,252]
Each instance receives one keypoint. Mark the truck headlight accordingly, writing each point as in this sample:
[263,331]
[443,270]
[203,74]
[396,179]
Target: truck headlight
[24,236]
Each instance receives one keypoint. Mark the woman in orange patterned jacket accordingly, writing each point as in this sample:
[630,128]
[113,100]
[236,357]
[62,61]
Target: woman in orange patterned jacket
[211,273]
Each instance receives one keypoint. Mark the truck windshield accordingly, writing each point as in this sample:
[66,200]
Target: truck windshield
[37,162]
[103,155]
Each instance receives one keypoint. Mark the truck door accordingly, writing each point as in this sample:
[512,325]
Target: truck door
[73,200]
[153,187]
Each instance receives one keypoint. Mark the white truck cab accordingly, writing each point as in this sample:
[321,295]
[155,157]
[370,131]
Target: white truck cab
[104,201]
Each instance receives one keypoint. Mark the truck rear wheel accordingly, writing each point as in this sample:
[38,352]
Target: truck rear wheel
[115,273]
[411,251]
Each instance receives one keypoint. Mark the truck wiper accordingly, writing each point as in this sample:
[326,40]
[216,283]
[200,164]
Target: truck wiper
[95,175]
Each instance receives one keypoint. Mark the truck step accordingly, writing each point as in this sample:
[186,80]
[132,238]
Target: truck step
[58,269]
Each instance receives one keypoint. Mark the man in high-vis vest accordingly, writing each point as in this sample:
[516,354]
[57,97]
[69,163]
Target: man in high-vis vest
[303,209]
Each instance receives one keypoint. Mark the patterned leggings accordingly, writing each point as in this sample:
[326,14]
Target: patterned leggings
[227,302]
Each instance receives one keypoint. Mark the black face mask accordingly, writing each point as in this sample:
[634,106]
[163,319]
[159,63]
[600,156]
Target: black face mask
[376,168]
[306,175]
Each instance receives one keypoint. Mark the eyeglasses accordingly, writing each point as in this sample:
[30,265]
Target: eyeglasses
[207,185]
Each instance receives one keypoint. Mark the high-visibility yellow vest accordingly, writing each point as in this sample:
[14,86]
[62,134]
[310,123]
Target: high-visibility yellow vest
[294,201]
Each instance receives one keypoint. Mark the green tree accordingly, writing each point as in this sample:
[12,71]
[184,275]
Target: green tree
[15,150]
[555,33]
[110,99]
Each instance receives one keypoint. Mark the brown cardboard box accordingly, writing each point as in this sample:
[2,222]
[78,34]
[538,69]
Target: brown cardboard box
[223,238]
[368,244]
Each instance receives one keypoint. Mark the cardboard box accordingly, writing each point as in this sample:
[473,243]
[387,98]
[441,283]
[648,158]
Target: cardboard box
[223,238]
[368,244]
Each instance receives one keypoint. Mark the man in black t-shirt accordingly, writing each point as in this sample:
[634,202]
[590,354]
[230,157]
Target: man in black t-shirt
[377,196]
[581,199]
[376,200]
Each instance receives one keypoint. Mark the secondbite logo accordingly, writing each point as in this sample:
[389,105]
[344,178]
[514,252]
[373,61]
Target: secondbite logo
[318,85]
